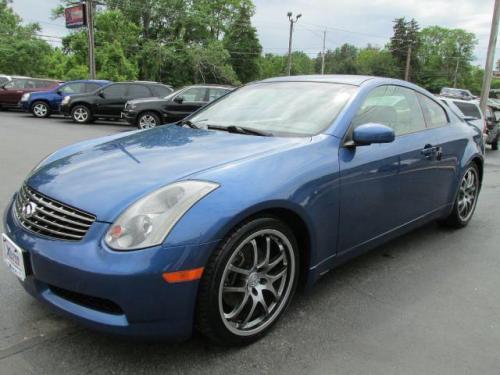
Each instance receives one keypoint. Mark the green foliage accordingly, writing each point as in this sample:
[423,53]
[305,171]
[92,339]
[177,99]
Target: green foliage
[271,65]
[343,60]
[243,45]
[406,35]
[377,62]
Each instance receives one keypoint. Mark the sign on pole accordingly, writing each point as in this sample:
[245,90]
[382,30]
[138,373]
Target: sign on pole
[75,16]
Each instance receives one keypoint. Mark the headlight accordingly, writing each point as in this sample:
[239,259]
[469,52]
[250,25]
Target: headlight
[148,221]
[130,106]
[66,100]
[25,97]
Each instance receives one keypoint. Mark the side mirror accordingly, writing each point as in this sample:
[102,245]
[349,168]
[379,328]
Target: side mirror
[367,134]
[59,92]
[179,99]
[101,94]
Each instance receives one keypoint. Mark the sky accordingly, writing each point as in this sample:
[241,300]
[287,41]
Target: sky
[358,22]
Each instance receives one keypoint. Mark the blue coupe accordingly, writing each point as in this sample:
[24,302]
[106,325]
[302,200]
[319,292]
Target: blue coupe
[44,103]
[214,221]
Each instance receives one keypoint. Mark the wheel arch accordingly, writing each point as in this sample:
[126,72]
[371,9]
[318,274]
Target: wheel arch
[141,112]
[43,100]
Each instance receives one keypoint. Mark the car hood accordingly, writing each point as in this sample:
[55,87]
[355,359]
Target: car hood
[106,177]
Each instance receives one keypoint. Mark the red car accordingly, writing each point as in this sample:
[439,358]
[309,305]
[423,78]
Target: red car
[12,91]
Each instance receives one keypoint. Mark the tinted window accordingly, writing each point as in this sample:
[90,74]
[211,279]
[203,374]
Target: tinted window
[89,87]
[468,109]
[434,114]
[161,91]
[16,84]
[394,106]
[194,94]
[138,91]
[214,93]
[40,84]
[73,88]
[115,91]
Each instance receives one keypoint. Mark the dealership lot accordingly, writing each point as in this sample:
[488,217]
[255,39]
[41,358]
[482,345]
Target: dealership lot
[425,303]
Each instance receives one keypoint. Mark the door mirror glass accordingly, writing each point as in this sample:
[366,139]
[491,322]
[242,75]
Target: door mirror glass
[179,99]
[367,134]
[101,94]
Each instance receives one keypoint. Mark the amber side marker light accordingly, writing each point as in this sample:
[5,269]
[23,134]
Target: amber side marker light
[182,276]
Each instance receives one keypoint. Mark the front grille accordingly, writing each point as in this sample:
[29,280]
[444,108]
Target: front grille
[48,217]
[94,303]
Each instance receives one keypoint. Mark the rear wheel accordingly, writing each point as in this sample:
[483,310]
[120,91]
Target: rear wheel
[40,109]
[81,114]
[466,200]
[248,282]
[148,120]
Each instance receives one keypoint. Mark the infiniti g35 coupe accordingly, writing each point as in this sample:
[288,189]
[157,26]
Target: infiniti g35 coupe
[214,221]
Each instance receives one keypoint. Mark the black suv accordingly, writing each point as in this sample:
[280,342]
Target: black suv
[148,113]
[108,101]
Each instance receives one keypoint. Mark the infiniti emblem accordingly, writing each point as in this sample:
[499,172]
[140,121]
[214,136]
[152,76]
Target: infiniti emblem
[29,210]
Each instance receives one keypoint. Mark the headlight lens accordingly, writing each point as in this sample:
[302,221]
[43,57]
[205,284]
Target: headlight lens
[66,99]
[148,221]
[25,97]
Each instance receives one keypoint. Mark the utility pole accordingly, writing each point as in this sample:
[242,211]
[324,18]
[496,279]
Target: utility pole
[408,61]
[488,69]
[456,72]
[323,54]
[89,10]
[292,21]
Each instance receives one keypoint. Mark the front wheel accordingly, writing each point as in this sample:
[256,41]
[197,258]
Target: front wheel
[466,200]
[81,114]
[40,109]
[148,120]
[248,282]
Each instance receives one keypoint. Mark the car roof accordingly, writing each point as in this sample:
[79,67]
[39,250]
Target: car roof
[356,80]
[88,81]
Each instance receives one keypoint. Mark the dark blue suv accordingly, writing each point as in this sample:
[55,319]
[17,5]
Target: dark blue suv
[44,103]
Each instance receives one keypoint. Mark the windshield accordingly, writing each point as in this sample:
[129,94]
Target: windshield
[279,108]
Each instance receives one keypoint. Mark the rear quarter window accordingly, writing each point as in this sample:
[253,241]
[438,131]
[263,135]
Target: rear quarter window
[468,109]
[435,116]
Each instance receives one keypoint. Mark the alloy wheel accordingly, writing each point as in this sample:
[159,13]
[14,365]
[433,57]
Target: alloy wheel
[40,110]
[80,114]
[147,122]
[257,282]
[467,195]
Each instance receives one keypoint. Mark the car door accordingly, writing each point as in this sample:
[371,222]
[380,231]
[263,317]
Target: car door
[11,92]
[111,100]
[372,201]
[448,144]
[186,102]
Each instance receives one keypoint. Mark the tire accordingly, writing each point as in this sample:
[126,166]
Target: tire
[494,144]
[264,283]
[81,114]
[40,109]
[147,120]
[466,200]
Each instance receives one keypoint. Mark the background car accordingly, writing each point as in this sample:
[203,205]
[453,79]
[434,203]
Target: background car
[12,91]
[108,101]
[148,113]
[467,110]
[456,93]
[44,103]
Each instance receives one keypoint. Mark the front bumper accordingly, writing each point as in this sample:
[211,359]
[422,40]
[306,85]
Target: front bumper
[24,105]
[130,116]
[83,279]
[65,109]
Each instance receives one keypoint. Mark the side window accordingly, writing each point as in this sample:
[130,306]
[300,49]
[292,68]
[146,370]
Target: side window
[468,109]
[194,94]
[394,106]
[73,88]
[89,87]
[435,116]
[138,91]
[115,91]
[16,84]
[161,91]
[215,93]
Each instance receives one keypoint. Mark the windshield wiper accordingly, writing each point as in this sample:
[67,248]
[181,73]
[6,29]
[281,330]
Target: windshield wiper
[241,130]
[188,123]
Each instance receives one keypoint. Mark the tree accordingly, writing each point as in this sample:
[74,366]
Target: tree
[271,65]
[20,46]
[406,35]
[377,62]
[243,45]
[340,61]
[211,64]
[443,54]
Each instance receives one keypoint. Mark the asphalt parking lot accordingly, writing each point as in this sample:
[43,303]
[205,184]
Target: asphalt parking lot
[427,303]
